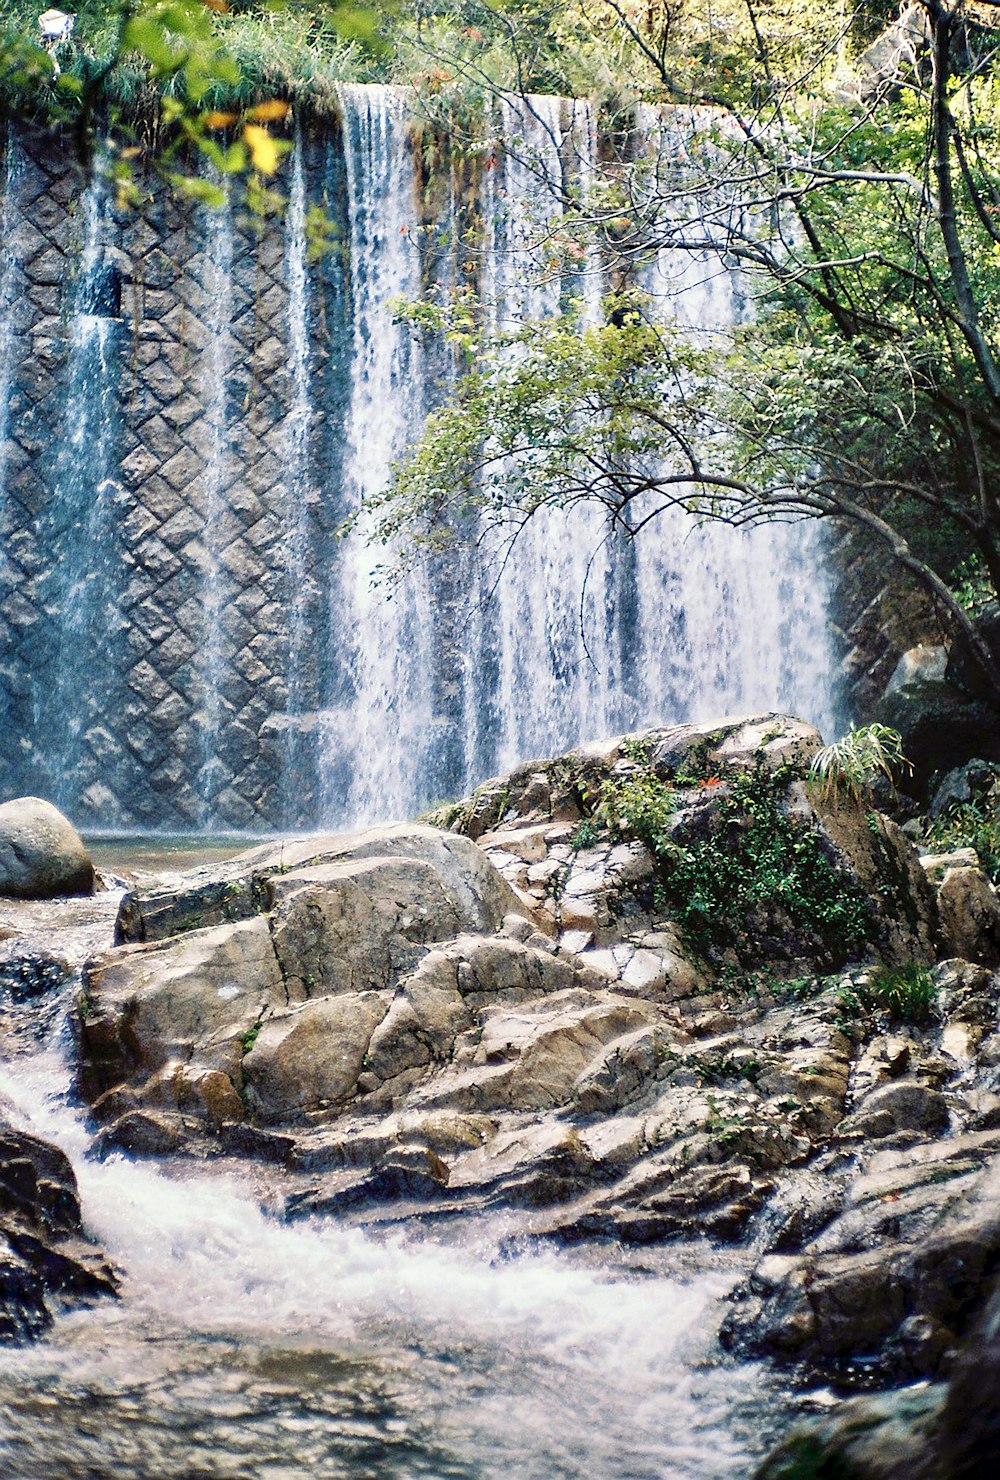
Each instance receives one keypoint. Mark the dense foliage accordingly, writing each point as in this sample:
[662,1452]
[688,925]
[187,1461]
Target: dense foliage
[774,874]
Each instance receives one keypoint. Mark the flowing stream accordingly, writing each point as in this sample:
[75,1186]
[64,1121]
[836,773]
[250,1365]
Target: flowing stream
[244,1346]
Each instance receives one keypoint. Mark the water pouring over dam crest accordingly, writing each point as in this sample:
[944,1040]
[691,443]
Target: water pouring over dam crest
[187,420]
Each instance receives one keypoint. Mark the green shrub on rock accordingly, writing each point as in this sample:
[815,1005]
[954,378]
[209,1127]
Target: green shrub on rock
[851,765]
[907,993]
[754,862]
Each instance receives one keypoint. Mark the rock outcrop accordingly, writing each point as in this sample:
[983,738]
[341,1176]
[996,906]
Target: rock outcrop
[599,888]
[410,1022]
[46,1264]
[41,853]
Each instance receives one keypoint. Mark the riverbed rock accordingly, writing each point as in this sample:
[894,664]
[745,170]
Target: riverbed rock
[969,910]
[315,920]
[924,663]
[964,784]
[46,1263]
[942,728]
[41,853]
[411,1025]
[467,888]
[902,1258]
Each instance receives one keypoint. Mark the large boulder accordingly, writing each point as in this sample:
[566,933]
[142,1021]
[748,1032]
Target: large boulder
[968,906]
[858,887]
[41,853]
[942,728]
[251,983]
[468,889]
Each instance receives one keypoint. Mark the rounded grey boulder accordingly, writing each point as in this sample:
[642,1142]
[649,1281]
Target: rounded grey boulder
[41,853]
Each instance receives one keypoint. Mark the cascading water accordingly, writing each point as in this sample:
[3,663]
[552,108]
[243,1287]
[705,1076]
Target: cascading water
[727,619]
[384,729]
[217,363]
[260,681]
[593,635]
[298,428]
[8,294]
[246,1345]
[555,617]
[82,584]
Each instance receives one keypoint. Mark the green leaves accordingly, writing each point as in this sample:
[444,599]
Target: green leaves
[850,766]
[754,864]
[545,414]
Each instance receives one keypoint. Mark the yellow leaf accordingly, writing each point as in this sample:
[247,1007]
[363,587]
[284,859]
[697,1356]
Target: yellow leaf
[214,119]
[220,6]
[270,112]
[263,149]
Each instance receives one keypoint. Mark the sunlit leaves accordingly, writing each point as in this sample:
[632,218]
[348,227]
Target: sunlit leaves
[548,413]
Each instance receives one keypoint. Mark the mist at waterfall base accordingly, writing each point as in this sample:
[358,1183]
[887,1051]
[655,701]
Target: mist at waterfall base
[378,706]
[244,1346]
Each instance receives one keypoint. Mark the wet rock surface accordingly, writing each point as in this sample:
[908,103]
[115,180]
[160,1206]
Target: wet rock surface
[46,1263]
[411,1025]
[405,1024]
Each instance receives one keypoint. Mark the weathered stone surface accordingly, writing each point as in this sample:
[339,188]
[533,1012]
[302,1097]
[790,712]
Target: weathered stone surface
[969,909]
[46,1264]
[769,739]
[471,896]
[253,1001]
[41,853]
[597,889]
[941,728]
[406,1043]
[924,663]
[886,1437]
[962,785]
[310,1058]
[196,996]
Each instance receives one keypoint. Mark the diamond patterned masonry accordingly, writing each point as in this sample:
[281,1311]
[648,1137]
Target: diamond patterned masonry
[122,502]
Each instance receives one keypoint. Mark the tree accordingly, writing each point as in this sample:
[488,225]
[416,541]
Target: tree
[171,85]
[860,188]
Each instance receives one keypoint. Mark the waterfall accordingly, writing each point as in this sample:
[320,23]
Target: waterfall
[554,619]
[380,739]
[8,295]
[727,620]
[206,648]
[592,634]
[298,429]
[217,361]
[83,584]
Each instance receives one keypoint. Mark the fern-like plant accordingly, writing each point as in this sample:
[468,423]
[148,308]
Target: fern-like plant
[851,765]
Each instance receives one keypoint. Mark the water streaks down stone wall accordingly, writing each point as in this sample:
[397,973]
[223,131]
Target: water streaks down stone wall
[189,408]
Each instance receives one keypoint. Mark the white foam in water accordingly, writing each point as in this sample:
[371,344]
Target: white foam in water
[575,1371]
